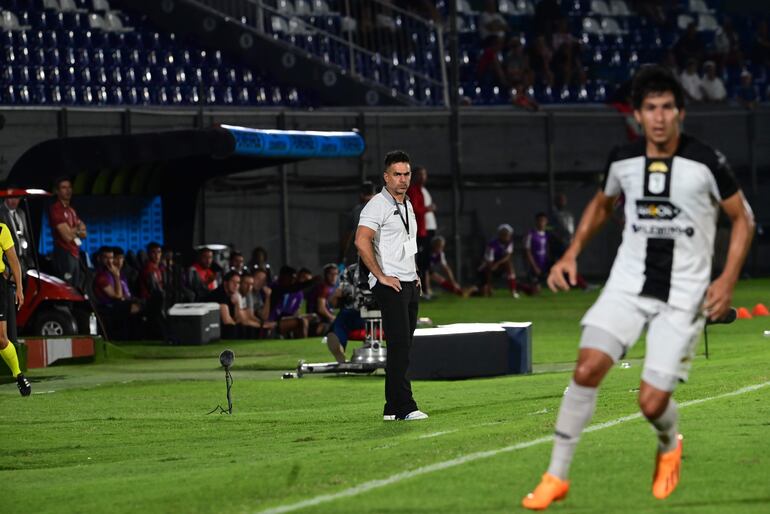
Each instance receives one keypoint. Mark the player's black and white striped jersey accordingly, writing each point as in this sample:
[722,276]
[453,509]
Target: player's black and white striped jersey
[671,209]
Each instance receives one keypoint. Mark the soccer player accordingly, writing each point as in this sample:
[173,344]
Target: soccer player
[673,186]
[7,349]
[440,273]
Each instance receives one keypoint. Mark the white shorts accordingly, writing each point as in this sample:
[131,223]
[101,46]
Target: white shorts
[614,323]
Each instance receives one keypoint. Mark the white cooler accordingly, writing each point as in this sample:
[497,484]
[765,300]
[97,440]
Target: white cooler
[193,323]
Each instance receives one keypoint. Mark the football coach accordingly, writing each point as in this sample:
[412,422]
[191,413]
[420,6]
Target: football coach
[386,240]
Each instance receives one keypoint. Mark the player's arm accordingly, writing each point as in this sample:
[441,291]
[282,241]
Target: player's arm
[720,293]
[13,262]
[323,310]
[224,313]
[246,318]
[66,232]
[531,258]
[365,247]
[448,272]
[264,312]
[595,215]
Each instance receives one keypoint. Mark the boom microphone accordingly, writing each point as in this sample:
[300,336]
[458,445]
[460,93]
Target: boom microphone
[726,319]
[226,359]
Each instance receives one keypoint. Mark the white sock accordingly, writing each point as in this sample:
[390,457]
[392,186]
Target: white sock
[577,408]
[666,427]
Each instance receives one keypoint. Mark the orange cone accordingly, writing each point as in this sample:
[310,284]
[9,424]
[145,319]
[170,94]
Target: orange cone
[743,313]
[760,310]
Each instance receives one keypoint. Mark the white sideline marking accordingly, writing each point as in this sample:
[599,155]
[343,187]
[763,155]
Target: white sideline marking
[436,434]
[438,466]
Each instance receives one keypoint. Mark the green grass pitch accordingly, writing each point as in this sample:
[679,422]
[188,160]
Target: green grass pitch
[132,434]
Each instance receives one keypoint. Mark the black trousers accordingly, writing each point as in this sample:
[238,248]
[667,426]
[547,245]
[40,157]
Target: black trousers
[399,319]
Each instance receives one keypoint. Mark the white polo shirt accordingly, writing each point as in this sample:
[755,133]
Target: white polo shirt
[381,214]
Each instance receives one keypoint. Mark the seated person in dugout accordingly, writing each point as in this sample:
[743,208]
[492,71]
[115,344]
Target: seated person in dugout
[233,323]
[248,313]
[285,301]
[440,273]
[112,294]
[536,247]
[321,300]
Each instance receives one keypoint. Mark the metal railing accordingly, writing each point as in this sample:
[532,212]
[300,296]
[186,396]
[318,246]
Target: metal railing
[372,40]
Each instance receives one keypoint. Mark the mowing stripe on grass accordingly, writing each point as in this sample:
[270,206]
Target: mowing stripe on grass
[405,475]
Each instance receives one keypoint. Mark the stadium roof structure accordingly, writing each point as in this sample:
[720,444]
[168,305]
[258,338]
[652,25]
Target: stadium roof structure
[173,164]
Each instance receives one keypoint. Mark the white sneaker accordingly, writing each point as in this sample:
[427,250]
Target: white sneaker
[389,417]
[415,415]
[516,294]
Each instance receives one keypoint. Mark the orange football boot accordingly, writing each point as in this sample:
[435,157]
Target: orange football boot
[550,489]
[667,468]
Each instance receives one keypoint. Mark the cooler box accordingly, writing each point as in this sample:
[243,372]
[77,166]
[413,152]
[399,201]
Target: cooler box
[193,323]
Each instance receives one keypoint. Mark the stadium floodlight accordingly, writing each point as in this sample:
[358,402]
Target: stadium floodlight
[226,359]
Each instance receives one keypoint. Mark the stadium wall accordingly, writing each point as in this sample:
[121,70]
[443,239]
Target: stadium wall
[504,168]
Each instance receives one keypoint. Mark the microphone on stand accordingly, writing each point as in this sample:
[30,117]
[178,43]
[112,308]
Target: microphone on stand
[226,359]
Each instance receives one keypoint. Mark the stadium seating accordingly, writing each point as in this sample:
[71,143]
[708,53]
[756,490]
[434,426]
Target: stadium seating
[81,52]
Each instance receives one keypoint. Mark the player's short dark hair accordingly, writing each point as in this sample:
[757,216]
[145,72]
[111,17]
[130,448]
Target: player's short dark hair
[235,254]
[541,214]
[230,274]
[395,156]
[104,249]
[303,271]
[286,271]
[204,250]
[367,188]
[153,246]
[655,79]
[116,250]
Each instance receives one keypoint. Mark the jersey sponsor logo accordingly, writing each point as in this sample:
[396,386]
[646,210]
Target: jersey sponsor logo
[656,210]
[667,232]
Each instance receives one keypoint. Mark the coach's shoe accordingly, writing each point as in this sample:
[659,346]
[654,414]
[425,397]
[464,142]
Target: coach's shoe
[415,415]
[388,417]
[550,489]
[667,467]
[25,388]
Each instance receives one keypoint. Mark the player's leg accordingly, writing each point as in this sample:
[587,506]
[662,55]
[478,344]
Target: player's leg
[11,358]
[510,277]
[610,327]
[671,341]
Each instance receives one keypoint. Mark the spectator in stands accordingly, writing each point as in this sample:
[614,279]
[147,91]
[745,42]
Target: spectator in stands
[113,296]
[711,85]
[566,56]
[689,46]
[237,261]
[419,175]
[440,272]
[727,46]
[229,300]
[68,230]
[691,82]
[498,259]
[489,69]
[348,254]
[201,277]
[423,8]
[251,326]
[536,246]
[540,58]
[321,299]
[517,70]
[760,49]
[746,94]
[491,22]
[285,302]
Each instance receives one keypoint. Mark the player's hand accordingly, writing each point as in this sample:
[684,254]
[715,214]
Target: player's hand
[19,298]
[393,282]
[719,296]
[267,291]
[556,278]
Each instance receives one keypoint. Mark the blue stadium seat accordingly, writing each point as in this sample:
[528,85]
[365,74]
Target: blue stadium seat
[55,95]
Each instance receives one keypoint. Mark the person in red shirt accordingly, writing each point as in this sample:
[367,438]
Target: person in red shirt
[417,198]
[68,230]
[151,278]
[201,278]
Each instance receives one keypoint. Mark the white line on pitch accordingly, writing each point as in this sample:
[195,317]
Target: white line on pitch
[438,466]
[436,434]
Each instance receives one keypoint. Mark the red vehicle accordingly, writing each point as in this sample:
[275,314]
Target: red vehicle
[51,307]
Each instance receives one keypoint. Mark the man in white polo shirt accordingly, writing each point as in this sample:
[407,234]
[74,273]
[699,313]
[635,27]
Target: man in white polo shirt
[386,240]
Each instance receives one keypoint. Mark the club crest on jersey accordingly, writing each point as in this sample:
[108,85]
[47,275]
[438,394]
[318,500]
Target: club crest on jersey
[656,210]
[657,167]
